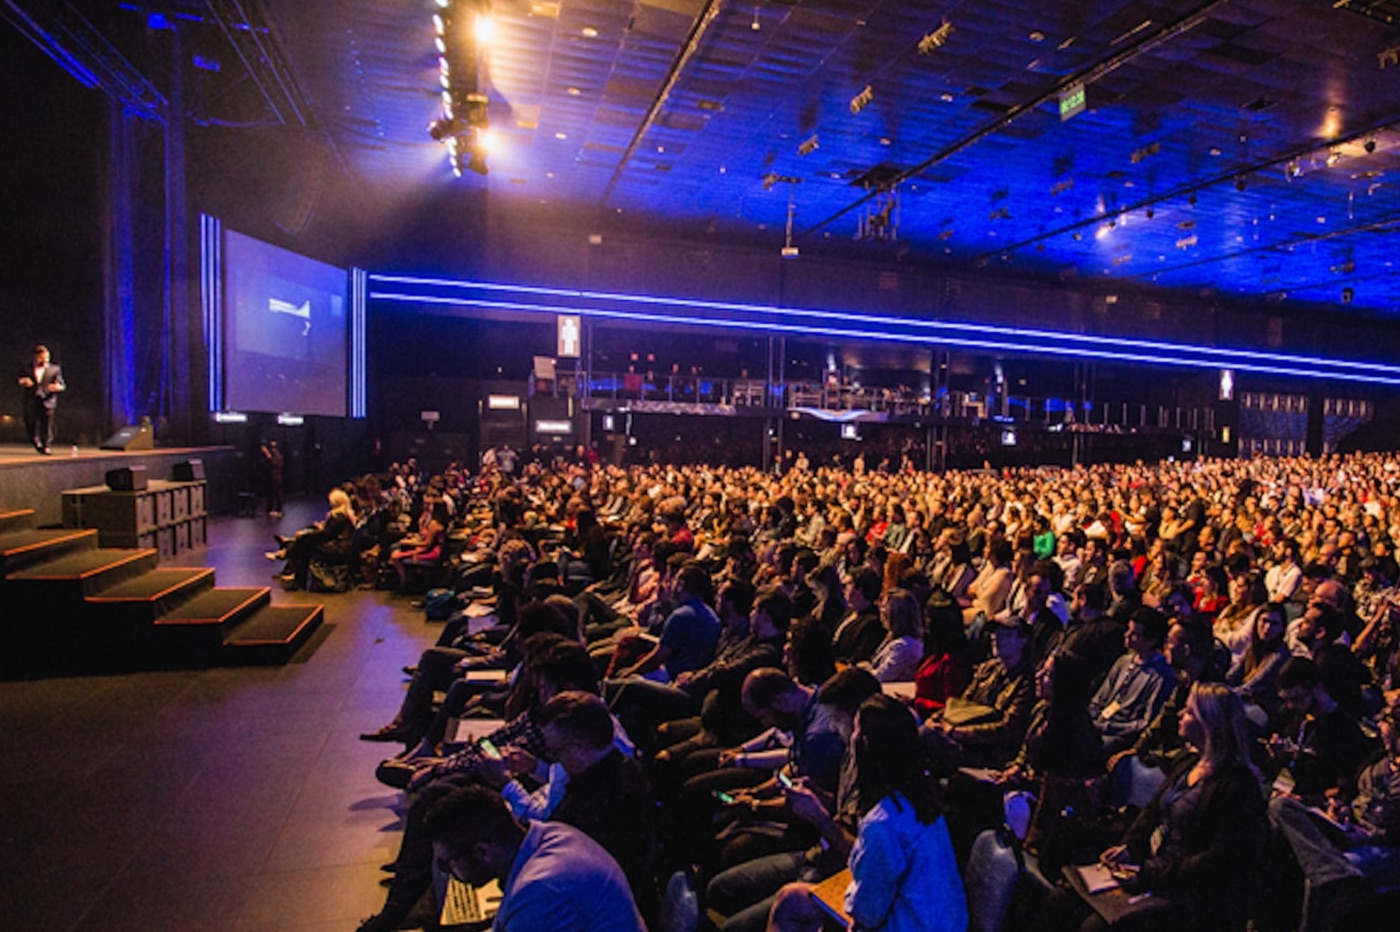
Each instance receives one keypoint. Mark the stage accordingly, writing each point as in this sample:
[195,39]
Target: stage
[31,480]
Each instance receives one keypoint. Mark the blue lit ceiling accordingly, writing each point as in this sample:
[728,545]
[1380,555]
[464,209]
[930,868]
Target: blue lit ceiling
[1244,146]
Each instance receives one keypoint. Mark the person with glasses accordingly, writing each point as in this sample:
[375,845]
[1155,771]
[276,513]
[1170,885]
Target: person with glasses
[552,875]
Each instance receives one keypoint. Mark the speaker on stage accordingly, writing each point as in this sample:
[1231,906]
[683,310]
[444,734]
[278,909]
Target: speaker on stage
[189,471]
[131,437]
[127,479]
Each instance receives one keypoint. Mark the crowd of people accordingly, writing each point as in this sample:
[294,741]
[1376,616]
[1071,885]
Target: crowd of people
[771,686]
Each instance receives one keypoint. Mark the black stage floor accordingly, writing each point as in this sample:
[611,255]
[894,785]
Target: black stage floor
[224,799]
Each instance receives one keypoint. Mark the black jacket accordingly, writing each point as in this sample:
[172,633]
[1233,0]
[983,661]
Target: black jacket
[1213,873]
[612,803]
[861,638]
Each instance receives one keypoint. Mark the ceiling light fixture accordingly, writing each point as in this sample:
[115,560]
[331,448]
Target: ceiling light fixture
[935,40]
[862,100]
[463,124]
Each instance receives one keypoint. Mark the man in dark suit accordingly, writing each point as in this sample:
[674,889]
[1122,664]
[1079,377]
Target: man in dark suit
[42,382]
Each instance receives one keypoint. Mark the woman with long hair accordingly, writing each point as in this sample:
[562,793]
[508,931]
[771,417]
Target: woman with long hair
[330,538]
[587,557]
[831,606]
[947,665]
[1254,675]
[1194,854]
[425,547]
[904,875]
[897,658]
[1236,620]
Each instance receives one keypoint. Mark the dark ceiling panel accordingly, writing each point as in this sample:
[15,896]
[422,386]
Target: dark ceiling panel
[1202,161]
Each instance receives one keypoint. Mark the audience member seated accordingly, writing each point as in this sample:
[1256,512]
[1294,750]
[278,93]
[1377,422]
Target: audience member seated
[425,547]
[643,705]
[860,633]
[984,726]
[1317,746]
[1137,685]
[903,872]
[593,784]
[1193,857]
[897,659]
[946,667]
[552,875]
[330,538]
[1352,845]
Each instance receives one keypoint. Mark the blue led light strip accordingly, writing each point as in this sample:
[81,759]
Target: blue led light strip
[211,256]
[1214,357]
[888,336]
[359,292]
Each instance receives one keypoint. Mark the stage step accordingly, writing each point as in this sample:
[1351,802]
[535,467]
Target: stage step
[22,520]
[145,598]
[82,573]
[29,546]
[71,606]
[235,626]
[272,634]
[216,608]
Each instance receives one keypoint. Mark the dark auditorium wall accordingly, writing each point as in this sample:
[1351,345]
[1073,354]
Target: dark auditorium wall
[51,286]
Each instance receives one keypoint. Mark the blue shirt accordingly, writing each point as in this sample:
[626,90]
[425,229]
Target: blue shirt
[691,634]
[564,881]
[904,873]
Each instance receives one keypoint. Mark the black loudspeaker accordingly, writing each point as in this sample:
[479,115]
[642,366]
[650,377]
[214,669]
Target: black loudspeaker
[188,471]
[127,479]
[131,437]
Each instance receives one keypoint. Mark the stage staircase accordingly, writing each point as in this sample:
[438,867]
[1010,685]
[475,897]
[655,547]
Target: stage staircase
[67,604]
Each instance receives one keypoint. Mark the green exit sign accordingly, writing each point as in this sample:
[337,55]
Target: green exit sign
[1071,102]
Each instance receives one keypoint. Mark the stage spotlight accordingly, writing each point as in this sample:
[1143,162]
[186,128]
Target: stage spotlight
[485,29]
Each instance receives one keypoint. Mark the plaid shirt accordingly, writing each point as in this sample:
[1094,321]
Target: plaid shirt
[520,732]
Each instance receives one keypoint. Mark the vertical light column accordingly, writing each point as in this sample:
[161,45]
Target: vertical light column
[211,297]
[359,292]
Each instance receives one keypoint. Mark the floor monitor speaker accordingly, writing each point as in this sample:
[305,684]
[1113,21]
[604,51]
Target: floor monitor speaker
[131,437]
[127,479]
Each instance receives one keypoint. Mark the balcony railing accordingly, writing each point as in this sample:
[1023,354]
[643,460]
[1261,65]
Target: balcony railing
[893,403]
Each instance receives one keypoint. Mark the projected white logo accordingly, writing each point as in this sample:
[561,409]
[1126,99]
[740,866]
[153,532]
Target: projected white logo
[291,310]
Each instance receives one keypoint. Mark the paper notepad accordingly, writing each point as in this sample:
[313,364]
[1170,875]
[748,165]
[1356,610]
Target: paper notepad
[830,895]
[1097,878]
[472,730]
